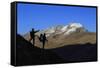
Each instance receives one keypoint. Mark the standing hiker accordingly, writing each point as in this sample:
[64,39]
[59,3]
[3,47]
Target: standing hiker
[43,39]
[32,35]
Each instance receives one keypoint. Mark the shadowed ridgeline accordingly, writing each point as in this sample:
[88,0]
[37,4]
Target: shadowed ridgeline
[29,55]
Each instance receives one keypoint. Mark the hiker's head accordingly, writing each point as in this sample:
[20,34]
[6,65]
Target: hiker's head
[32,29]
[41,34]
[44,33]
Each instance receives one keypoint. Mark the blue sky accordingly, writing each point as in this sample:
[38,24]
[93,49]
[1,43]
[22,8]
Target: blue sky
[43,16]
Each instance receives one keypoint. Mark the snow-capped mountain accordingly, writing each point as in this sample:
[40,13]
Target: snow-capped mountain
[73,27]
[65,30]
[61,35]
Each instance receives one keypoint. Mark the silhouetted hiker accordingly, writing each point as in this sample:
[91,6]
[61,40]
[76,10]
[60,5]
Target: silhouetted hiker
[43,39]
[32,34]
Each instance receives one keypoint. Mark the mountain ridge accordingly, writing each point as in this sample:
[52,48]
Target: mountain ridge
[71,34]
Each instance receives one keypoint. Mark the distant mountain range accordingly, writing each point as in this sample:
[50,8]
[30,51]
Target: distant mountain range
[58,36]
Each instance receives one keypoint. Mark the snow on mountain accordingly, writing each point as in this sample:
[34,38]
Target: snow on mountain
[52,30]
[72,28]
[63,30]
[77,25]
[67,29]
[70,31]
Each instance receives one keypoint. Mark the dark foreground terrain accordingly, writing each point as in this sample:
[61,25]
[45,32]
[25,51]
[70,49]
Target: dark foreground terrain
[27,54]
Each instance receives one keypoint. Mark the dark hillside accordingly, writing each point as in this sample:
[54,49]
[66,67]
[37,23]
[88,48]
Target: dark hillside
[26,54]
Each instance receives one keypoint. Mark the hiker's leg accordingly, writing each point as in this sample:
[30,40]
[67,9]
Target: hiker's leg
[43,44]
[33,41]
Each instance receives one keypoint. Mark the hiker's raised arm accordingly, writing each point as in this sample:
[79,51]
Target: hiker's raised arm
[37,31]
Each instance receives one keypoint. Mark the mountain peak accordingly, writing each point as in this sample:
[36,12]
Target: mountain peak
[64,29]
[75,25]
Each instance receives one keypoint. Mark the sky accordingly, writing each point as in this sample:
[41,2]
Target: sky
[42,16]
